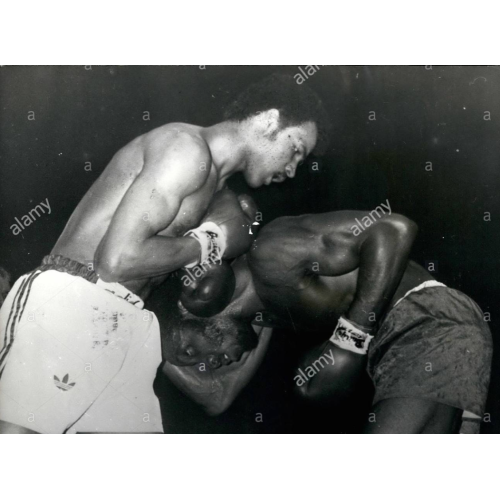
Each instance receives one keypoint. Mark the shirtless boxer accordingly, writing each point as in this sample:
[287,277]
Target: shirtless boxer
[430,354]
[77,352]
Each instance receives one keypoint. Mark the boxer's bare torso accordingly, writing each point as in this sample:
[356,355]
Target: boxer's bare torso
[92,217]
[303,272]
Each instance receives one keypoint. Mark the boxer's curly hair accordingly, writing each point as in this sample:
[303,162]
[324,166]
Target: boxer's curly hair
[297,104]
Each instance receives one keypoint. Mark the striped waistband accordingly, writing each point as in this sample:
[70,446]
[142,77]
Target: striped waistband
[74,268]
[69,266]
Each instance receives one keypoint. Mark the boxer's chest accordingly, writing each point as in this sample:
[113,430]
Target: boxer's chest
[192,208]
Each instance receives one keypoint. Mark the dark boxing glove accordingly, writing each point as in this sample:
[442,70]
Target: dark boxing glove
[207,289]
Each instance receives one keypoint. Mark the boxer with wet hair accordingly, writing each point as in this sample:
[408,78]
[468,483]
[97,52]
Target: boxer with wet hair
[141,220]
[425,346]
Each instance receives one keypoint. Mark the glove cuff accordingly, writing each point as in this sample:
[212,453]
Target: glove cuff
[212,243]
[347,336]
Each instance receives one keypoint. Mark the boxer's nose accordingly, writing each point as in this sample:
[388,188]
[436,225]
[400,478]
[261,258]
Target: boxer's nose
[226,360]
[214,361]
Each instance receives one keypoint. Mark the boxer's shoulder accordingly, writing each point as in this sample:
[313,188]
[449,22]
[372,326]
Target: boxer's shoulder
[281,245]
[176,140]
[286,233]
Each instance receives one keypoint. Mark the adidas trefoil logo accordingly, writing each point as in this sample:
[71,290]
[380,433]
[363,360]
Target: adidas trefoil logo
[63,384]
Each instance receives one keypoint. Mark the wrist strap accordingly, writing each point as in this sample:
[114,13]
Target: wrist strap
[212,243]
[349,337]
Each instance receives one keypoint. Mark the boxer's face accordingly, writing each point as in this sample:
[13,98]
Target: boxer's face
[192,346]
[275,155]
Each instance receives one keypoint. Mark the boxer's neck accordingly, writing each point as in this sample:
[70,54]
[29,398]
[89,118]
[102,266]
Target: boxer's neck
[227,147]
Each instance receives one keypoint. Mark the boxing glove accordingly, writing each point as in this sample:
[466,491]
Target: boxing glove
[328,375]
[332,372]
[208,288]
[228,229]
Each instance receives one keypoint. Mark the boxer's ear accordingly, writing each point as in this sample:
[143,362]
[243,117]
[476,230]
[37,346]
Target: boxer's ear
[268,121]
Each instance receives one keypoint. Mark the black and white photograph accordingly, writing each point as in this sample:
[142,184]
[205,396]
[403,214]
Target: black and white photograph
[227,272]
[249,249]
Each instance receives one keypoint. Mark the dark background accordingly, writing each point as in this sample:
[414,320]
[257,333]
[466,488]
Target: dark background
[423,114]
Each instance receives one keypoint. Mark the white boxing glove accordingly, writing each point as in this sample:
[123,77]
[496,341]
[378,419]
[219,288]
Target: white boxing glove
[212,241]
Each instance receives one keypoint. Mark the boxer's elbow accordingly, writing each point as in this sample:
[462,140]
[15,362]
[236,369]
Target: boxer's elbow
[109,270]
[216,405]
[214,410]
[405,227]
[402,230]
[113,266]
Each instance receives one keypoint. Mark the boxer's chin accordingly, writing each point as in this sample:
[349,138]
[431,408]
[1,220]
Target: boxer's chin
[253,180]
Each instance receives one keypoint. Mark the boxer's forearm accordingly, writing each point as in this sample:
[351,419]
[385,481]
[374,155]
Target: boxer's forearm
[196,384]
[231,380]
[155,256]
[383,259]
[216,390]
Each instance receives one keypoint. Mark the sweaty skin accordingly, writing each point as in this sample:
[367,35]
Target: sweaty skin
[311,269]
[152,186]
[129,226]
[306,271]
[131,221]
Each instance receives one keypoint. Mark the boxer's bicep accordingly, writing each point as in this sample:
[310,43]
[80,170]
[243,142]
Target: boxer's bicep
[153,200]
[380,252]
[349,234]
[339,250]
[149,206]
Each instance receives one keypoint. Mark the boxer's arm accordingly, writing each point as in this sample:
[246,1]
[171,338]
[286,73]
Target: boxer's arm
[382,254]
[216,390]
[131,248]
[331,244]
[379,252]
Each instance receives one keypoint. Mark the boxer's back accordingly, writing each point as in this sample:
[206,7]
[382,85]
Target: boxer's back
[302,271]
